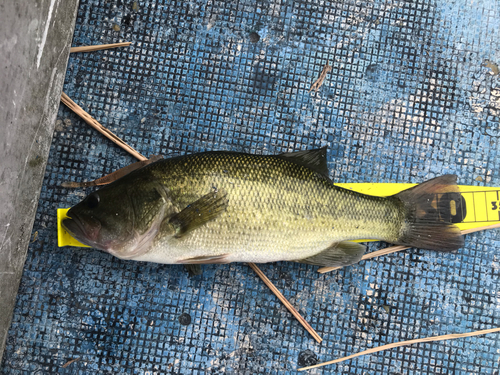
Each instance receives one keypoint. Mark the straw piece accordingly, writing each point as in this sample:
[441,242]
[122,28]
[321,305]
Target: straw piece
[395,249]
[70,362]
[403,343]
[97,126]
[113,176]
[287,304]
[486,227]
[319,82]
[98,47]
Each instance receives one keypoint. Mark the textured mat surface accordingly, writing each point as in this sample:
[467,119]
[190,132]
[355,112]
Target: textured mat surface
[413,93]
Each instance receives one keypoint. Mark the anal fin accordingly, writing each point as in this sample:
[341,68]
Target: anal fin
[340,254]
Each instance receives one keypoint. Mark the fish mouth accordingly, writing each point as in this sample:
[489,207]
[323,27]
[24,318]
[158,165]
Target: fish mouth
[86,231]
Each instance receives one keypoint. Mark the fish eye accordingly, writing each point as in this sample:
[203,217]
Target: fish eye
[93,200]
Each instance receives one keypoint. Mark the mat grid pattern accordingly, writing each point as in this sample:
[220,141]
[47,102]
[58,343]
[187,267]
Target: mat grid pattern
[413,93]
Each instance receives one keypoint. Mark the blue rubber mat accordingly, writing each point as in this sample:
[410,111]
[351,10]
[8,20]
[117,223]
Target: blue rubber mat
[414,92]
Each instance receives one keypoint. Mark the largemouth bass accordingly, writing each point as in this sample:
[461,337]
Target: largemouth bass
[221,207]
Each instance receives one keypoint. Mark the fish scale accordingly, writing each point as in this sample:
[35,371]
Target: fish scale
[277,210]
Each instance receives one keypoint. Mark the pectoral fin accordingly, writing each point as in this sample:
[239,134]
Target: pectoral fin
[205,209]
[338,255]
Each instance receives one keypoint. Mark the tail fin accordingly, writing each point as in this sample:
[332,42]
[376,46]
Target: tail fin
[423,226]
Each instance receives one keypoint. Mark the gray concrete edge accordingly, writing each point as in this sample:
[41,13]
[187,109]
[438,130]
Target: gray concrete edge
[35,38]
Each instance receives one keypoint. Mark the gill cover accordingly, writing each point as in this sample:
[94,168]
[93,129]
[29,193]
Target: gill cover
[122,218]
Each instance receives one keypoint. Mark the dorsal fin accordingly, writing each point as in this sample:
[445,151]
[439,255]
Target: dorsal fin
[312,159]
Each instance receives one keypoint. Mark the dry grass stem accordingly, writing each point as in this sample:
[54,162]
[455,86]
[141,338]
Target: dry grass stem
[395,249]
[97,126]
[98,47]
[285,302]
[404,343]
[70,362]
[486,227]
[319,82]
[114,175]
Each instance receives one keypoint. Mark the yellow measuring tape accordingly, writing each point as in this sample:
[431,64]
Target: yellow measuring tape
[472,207]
